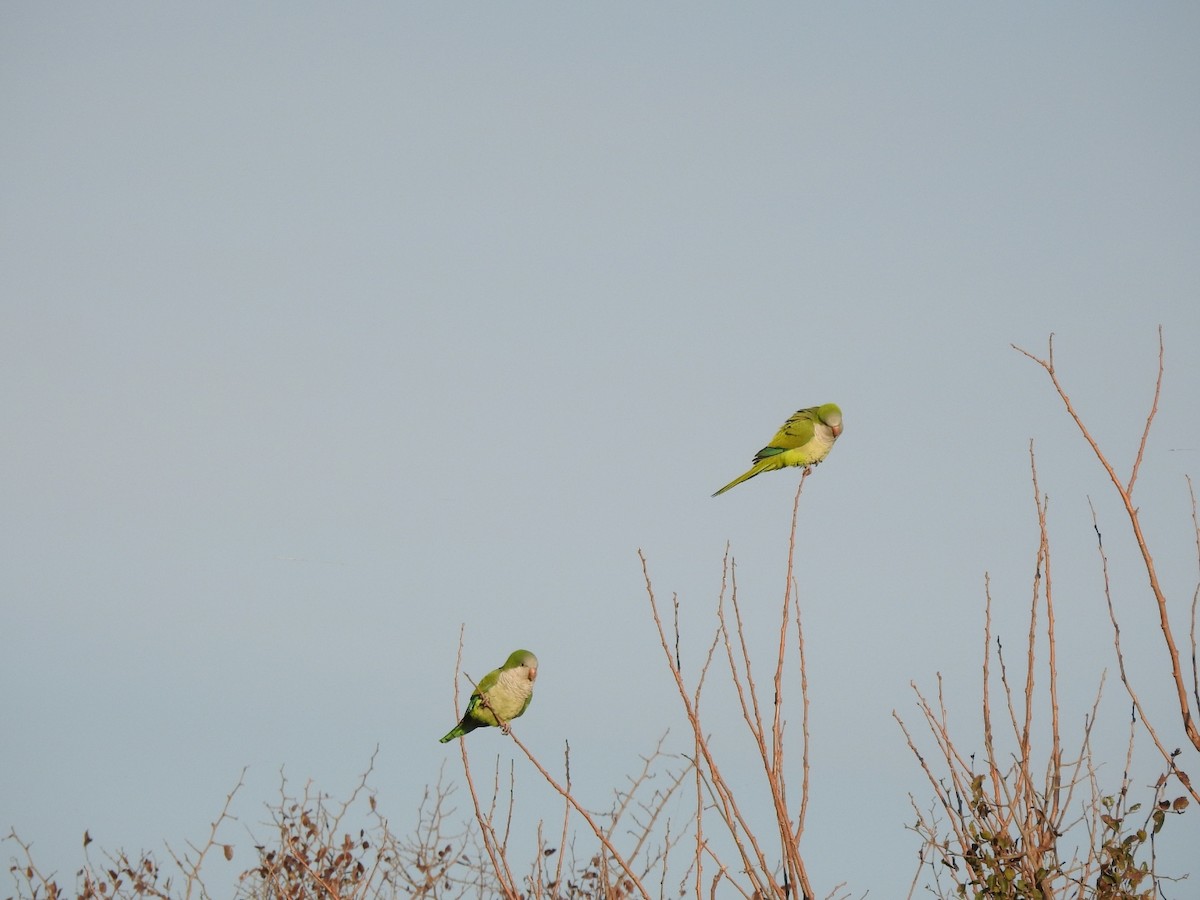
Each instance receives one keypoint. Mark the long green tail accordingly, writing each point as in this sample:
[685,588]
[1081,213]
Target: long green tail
[458,731]
[757,469]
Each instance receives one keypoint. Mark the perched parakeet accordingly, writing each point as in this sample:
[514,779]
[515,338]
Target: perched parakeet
[804,440]
[508,690]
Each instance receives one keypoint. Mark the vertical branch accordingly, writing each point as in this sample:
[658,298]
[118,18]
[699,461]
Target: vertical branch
[499,863]
[562,840]
[804,760]
[675,605]
[698,746]
[512,802]
[789,839]
[699,857]
[1002,791]
[776,723]
[1047,826]
[989,745]
[1026,780]
[1042,503]
[1195,595]
[771,758]
[753,713]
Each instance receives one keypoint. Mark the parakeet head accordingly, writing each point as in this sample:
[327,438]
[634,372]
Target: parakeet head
[831,415]
[522,659]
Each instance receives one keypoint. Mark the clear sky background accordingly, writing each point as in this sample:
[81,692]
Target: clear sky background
[328,328]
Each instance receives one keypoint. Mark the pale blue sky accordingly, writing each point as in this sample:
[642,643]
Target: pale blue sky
[328,328]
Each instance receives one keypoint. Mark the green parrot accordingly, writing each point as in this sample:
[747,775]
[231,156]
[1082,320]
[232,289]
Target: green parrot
[508,690]
[804,440]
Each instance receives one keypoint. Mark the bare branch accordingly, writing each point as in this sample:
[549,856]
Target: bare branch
[1126,494]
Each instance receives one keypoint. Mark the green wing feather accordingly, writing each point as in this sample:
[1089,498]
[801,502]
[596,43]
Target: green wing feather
[796,432]
[486,683]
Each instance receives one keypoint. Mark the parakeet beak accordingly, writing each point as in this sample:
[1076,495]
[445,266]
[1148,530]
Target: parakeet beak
[533,673]
[836,429]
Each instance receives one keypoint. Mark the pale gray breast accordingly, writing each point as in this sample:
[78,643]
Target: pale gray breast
[512,689]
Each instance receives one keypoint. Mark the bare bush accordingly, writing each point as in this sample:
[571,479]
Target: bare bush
[1004,822]
[1007,825]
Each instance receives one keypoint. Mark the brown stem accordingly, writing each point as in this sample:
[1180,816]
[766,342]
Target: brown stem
[1125,491]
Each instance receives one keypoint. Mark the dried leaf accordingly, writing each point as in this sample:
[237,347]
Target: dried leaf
[1180,804]
[87,839]
[228,848]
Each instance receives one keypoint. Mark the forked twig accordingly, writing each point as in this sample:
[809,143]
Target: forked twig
[1125,491]
[587,817]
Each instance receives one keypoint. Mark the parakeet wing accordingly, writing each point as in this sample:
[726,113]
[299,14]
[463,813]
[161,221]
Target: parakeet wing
[796,432]
[487,682]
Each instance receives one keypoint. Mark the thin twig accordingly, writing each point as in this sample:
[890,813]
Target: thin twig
[596,829]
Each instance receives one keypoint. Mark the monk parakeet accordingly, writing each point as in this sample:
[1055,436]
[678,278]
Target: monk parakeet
[804,440]
[508,690]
